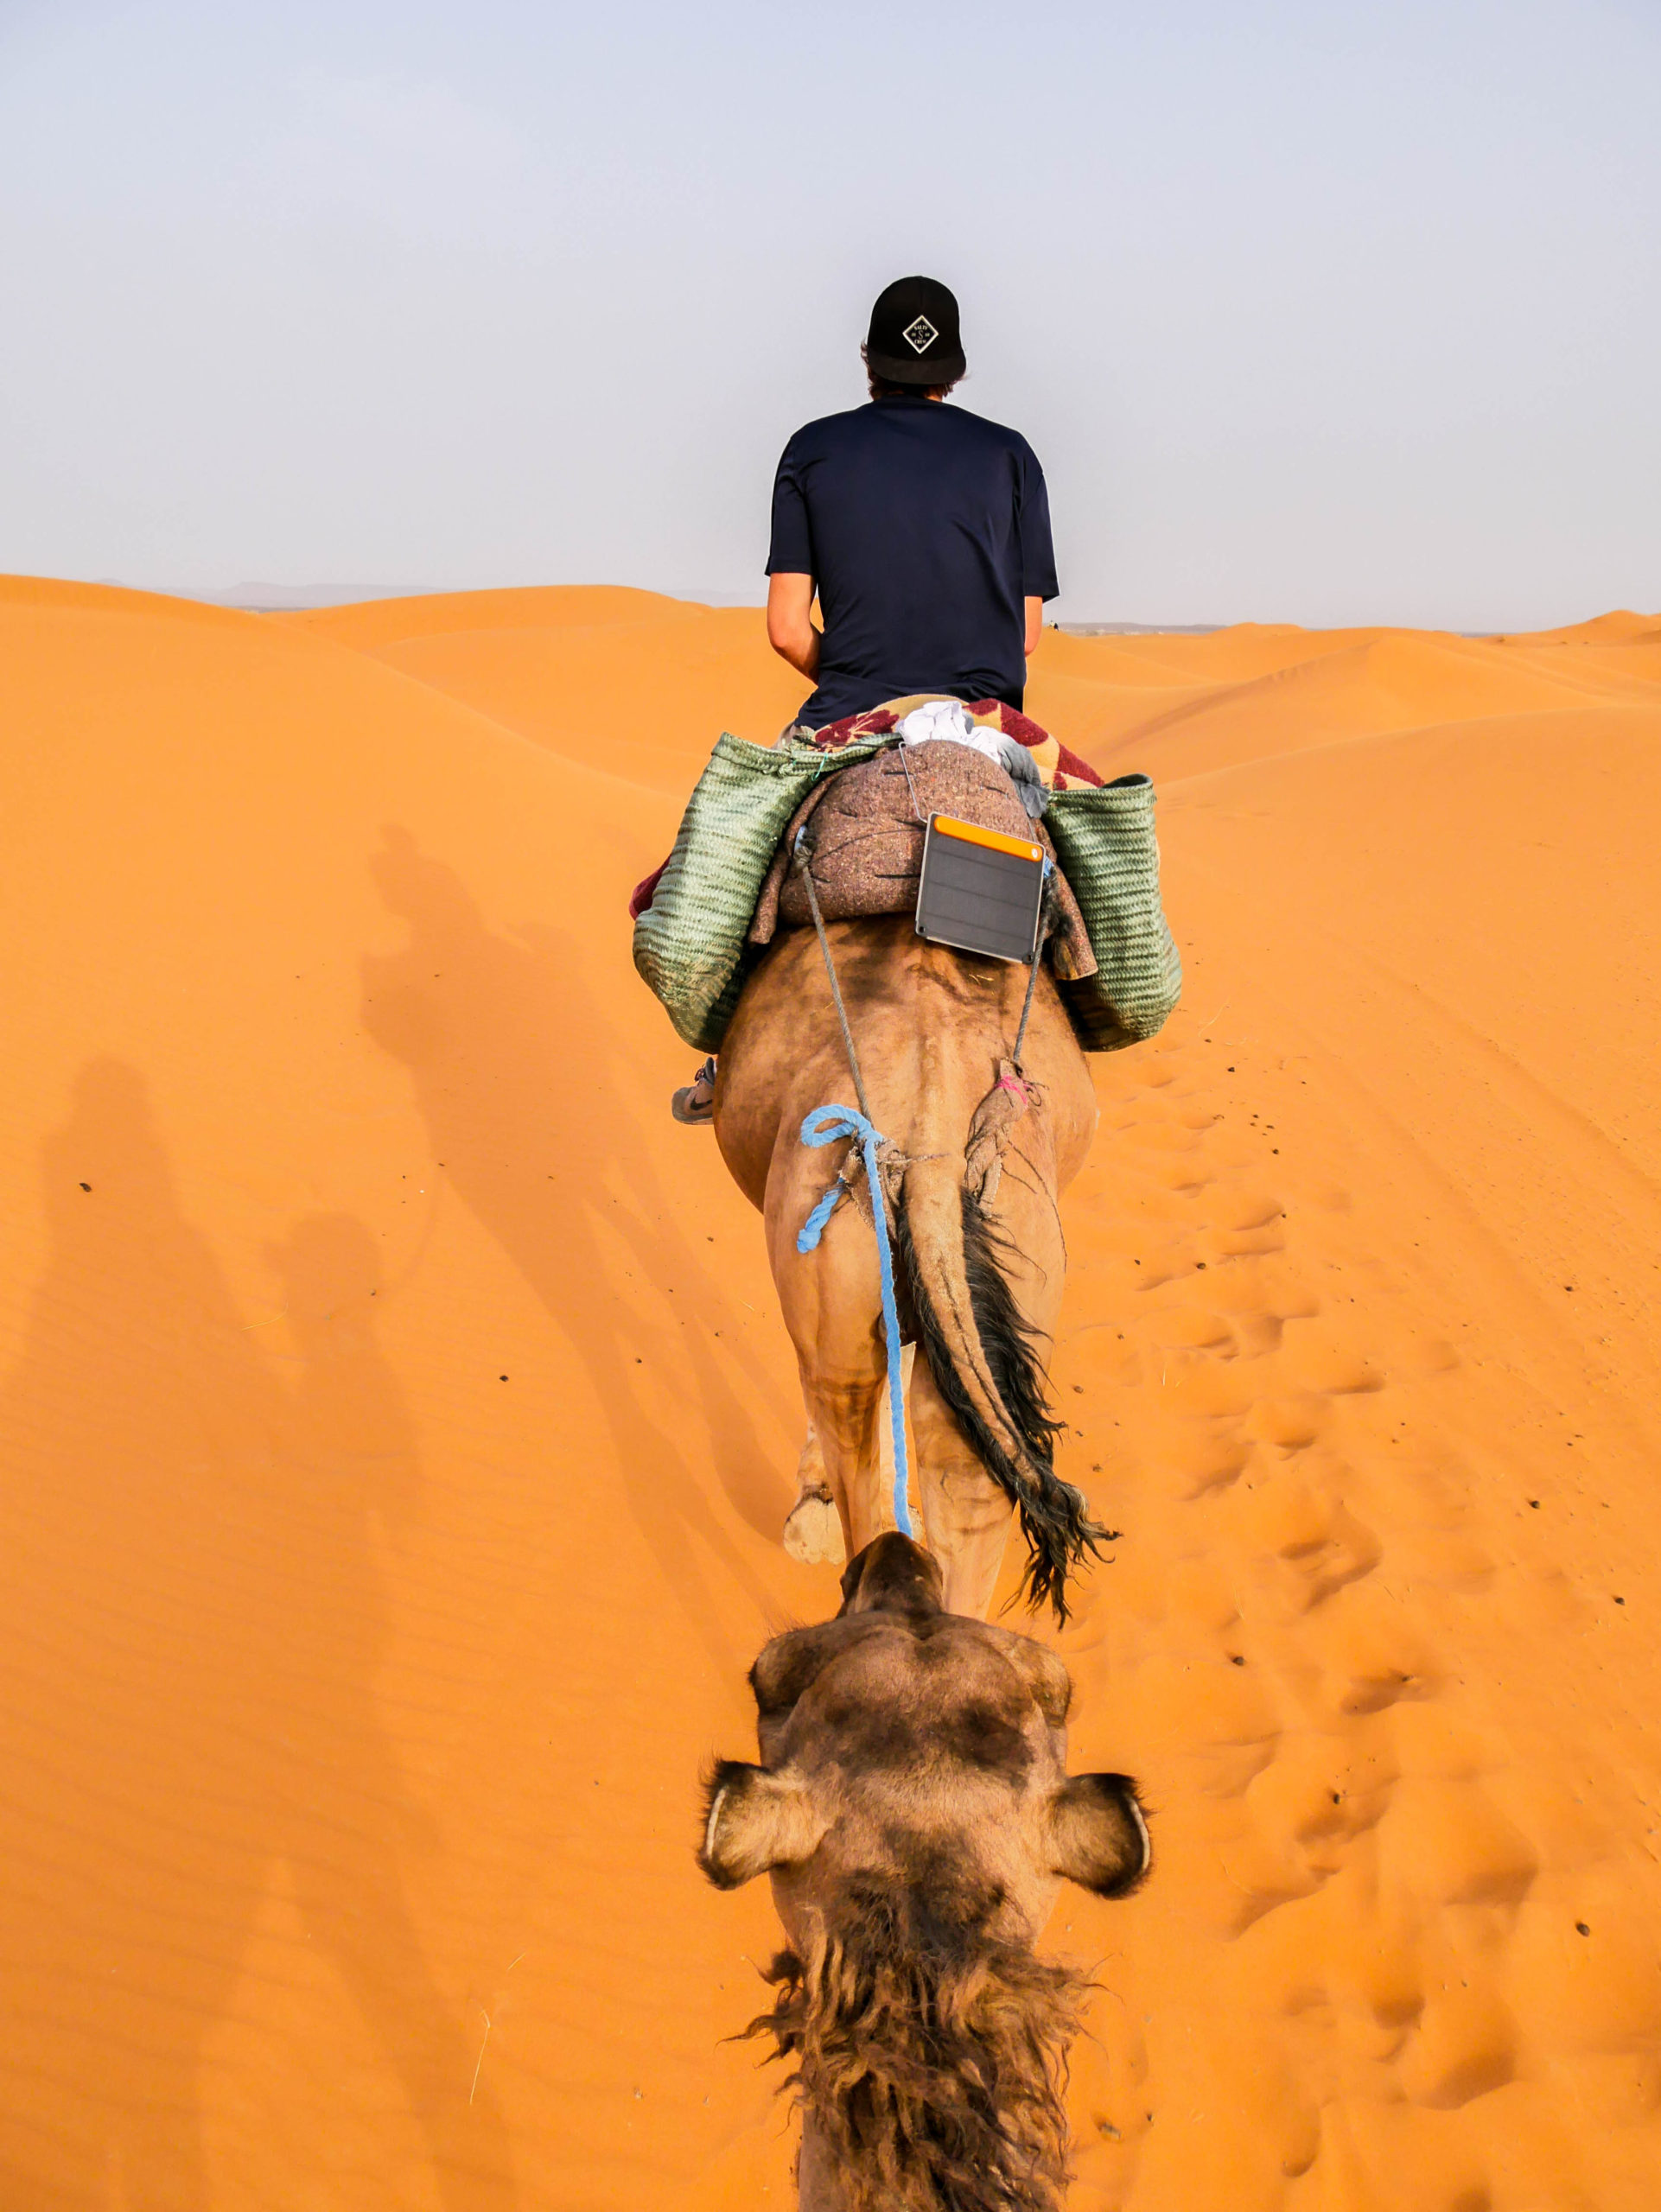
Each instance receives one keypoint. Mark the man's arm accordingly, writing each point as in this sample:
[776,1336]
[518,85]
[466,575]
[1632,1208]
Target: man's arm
[1034,625]
[789,629]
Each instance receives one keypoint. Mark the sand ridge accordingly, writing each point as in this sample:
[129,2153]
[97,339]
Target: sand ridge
[397,1426]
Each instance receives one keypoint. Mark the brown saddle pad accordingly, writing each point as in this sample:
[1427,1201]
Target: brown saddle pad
[868,823]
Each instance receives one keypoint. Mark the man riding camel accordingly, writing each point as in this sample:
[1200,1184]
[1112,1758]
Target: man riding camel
[925,532]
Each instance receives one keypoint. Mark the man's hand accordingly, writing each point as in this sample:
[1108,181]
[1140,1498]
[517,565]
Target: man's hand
[1034,625]
[789,629]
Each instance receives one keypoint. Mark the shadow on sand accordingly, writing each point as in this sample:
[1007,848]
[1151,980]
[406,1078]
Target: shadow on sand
[516,1074]
[194,1622]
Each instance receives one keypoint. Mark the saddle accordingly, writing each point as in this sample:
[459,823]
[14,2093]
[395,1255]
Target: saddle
[704,919]
[868,823]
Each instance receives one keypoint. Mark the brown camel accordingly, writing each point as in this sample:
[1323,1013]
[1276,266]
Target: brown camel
[978,1245]
[913,1808]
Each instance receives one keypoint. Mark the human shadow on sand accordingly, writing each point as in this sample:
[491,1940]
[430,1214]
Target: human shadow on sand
[195,1623]
[515,1069]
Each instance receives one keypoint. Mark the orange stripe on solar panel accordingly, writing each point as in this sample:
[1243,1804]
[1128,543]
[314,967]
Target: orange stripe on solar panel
[972,834]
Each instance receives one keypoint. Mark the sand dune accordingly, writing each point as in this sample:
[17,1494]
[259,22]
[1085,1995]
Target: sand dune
[369,625]
[623,679]
[1618,627]
[1327,691]
[397,1423]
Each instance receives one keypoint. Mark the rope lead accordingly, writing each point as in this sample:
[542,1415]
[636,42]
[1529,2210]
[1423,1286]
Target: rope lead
[826,1125]
[1047,914]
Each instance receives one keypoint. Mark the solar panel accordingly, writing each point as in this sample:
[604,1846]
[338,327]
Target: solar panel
[980,891]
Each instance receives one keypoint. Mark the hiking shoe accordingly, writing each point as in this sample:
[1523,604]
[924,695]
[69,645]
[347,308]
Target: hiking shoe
[695,1102]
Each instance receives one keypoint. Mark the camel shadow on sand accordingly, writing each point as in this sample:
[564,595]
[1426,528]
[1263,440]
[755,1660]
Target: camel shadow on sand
[195,1622]
[517,1073]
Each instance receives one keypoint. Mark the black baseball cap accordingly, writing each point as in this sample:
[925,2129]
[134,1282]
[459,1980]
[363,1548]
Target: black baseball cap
[913,338]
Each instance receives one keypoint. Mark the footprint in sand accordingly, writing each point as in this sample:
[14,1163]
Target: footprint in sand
[1183,1183]
[1332,1369]
[1202,1119]
[1259,1334]
[1321,1540]
[1248,1213]
[1161,1136]
[1189,1329]
[1259,1877]
[1349,1551]
[1249,1243]
[1291,1424]
[1370,1657]
[1212,1463]
[1446,1843]
[1324,1791]
[1464,2046]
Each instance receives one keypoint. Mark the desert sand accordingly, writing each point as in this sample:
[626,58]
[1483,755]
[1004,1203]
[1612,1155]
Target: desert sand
[397,1426]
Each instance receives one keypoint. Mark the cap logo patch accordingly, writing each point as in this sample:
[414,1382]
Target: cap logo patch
[919,335]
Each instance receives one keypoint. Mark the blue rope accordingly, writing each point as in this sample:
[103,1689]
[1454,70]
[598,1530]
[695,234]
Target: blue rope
[825,1125]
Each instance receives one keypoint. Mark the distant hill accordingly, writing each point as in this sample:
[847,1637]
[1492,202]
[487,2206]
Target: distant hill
[274,598]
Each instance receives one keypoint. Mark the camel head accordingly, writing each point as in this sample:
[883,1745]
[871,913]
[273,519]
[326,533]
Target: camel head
[914,1810]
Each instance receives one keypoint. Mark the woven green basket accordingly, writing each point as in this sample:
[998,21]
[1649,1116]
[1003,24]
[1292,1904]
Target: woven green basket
[1104,842]
[689,944]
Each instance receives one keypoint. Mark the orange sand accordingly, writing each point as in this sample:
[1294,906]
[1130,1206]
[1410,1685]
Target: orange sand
[396,1432]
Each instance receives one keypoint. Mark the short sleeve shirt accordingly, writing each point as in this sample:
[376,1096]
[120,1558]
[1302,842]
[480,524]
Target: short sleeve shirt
[926,528]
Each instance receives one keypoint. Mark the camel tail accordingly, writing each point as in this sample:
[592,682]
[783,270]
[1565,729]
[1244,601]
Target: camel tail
[984,1356]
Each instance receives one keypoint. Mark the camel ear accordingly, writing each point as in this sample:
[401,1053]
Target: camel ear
[754,1822]
[1098,1835]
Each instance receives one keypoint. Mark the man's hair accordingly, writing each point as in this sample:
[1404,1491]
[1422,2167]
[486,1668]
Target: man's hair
[885,388]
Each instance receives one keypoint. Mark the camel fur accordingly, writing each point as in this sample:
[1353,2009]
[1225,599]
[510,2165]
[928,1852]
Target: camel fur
[913,1809]
[982,1155]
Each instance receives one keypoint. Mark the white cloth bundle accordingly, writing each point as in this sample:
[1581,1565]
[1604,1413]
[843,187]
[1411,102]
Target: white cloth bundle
[950,721]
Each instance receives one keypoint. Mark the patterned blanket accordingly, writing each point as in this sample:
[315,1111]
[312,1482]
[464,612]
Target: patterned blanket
[1060,769]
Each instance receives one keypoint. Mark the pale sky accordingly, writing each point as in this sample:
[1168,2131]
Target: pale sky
[1314,312]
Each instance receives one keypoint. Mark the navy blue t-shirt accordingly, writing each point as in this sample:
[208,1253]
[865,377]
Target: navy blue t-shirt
[925,529]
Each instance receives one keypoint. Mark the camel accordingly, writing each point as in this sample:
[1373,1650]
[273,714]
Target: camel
[981,1155]
[914,1810]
